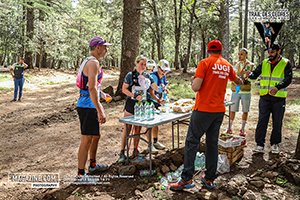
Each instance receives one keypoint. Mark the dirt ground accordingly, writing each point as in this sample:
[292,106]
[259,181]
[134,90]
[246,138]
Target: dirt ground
[41,135]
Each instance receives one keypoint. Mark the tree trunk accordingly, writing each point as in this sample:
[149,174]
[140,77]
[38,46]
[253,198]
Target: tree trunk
[253,44]
[22,49]
[224,28]
[157,31]
[246,24]
[130,39]
[188,53]
[153,47]
[203,44]
[29,33]
[297,153]
[178,20]
[241,24]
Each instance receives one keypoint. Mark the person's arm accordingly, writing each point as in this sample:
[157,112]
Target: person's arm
[125,91]
[93,69]
[238,81]
[288,75]
[255,73]
[11,70]
[196,83]
[25,66]
[272,30]
[153,84]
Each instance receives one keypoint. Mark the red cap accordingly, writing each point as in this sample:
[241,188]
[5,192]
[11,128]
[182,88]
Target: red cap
[214,45]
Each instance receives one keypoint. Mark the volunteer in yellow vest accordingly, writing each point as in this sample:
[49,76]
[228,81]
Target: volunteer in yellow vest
[276,75]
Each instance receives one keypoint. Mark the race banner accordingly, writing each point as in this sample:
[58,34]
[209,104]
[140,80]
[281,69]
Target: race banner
[269,15]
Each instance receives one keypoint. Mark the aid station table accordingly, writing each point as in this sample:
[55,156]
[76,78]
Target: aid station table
[159,119]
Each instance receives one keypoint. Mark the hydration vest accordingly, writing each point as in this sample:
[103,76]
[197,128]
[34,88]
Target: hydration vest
[82,80]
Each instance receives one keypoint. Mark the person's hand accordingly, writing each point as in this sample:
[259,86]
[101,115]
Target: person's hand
[108,98]
[101,117]
[162,102]
[273,91]
[192,79]
[139,98]
[246,75]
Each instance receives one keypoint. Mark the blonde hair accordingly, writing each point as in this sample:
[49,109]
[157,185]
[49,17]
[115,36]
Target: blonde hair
[139,58]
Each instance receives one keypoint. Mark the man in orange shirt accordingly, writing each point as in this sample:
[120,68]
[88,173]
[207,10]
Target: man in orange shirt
[209,82]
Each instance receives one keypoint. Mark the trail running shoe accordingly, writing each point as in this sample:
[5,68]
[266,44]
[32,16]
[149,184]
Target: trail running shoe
[180,185]
[258,149]
[275,149]
[209,184]
[159,145]
[122,158]
[98,167]
[242,133]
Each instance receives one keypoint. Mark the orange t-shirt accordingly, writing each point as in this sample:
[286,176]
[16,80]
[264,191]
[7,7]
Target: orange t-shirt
[215,72]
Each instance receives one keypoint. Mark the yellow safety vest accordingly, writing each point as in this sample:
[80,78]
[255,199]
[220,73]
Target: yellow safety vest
[271,79]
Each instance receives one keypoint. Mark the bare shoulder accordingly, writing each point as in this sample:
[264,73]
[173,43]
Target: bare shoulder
[94,63]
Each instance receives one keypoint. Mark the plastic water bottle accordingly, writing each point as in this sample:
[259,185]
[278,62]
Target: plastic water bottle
[147,111]
[199,161]
[147,172]
[167,106]
[137,110]
[143,111]
[164,182]
[152,110]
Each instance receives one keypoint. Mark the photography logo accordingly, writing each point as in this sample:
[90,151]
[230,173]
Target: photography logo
[269,15]
[37,180]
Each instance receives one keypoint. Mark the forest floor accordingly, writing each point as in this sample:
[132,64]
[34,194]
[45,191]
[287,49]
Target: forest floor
[41,134]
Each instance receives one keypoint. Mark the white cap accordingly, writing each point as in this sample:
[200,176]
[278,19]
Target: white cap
[164,65]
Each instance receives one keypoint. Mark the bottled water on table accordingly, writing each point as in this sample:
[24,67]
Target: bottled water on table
[152,110]
[167,106]
[137,111]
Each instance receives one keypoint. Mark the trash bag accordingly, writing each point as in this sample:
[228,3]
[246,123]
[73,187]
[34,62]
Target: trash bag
[223,164]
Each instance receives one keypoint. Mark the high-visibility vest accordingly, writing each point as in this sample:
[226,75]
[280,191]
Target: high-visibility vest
[271,79]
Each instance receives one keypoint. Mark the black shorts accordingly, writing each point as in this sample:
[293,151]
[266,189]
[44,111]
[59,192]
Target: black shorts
[89,124]
[129,105]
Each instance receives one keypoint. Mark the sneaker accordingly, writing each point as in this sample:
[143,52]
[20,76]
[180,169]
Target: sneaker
[122,158]
[259,149]
[209,184]
[153,150]
[159,145]
[229,131]
[275,149]
[98,167]
[138,159]
[13,100]
[19,100]
[242,133]
[180,185]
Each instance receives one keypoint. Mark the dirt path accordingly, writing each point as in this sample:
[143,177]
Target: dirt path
[41,133]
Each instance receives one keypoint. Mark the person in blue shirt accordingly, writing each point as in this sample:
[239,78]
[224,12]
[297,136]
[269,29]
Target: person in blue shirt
[159,77]
[268,32]
[17,72]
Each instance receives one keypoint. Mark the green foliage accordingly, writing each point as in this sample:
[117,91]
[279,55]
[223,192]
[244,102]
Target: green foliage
[62,30]
[180,88]
[5,77]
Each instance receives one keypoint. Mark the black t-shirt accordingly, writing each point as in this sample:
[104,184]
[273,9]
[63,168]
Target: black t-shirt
[19,70]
